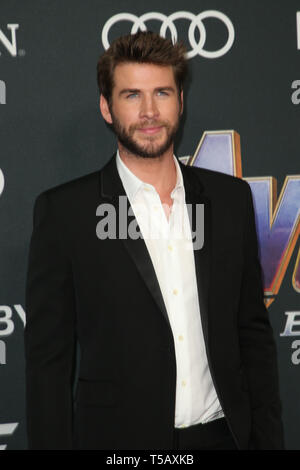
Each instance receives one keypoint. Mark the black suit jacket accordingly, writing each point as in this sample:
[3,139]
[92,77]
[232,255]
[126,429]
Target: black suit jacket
[104,294]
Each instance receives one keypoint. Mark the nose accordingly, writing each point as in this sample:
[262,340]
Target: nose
[149,107]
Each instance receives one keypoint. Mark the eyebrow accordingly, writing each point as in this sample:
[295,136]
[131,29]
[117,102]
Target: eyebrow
[136,90]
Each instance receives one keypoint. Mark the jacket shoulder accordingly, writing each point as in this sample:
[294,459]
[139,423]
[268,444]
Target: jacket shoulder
[215,181]
[71,187]
[81,187]
[65,201]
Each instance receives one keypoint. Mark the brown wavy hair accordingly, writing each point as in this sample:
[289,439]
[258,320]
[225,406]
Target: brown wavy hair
[142,47]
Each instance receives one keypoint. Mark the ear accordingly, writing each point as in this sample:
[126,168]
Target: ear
[104,108]
[181,102]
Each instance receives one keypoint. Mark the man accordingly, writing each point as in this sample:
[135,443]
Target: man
[176,349]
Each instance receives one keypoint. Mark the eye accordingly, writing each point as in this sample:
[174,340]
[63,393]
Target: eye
[132,95]
[162,93]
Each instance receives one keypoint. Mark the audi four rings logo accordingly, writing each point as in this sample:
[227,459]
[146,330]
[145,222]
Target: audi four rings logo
[167,23]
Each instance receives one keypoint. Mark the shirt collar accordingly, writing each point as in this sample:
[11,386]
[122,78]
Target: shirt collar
[132,184]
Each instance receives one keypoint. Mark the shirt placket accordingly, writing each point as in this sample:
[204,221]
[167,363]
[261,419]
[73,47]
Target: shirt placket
[183,386]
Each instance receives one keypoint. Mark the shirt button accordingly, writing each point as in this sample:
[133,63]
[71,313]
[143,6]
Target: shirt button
[180,338]
[175,291]
[170,248]
[183,383]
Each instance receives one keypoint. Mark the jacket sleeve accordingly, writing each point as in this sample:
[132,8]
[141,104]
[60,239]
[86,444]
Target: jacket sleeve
[258,348]
[49,334]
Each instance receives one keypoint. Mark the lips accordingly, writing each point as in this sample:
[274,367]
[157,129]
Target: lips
[150,130]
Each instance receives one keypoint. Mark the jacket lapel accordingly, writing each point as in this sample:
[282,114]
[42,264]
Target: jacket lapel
[111,188]
[194,194]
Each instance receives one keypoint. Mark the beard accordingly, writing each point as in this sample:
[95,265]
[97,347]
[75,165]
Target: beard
[150,149]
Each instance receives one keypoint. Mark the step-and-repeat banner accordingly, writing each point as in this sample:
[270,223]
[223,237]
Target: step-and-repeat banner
[242,116]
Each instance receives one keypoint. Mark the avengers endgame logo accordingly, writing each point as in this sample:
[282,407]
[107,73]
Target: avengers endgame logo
[277,217]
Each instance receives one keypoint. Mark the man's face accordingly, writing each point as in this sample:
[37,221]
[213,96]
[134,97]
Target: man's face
[145,108]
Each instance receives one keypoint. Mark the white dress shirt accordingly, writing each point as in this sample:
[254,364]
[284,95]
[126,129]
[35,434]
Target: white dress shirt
[170,247]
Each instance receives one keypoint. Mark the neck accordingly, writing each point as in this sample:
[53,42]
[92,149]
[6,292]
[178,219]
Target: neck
[160,172]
